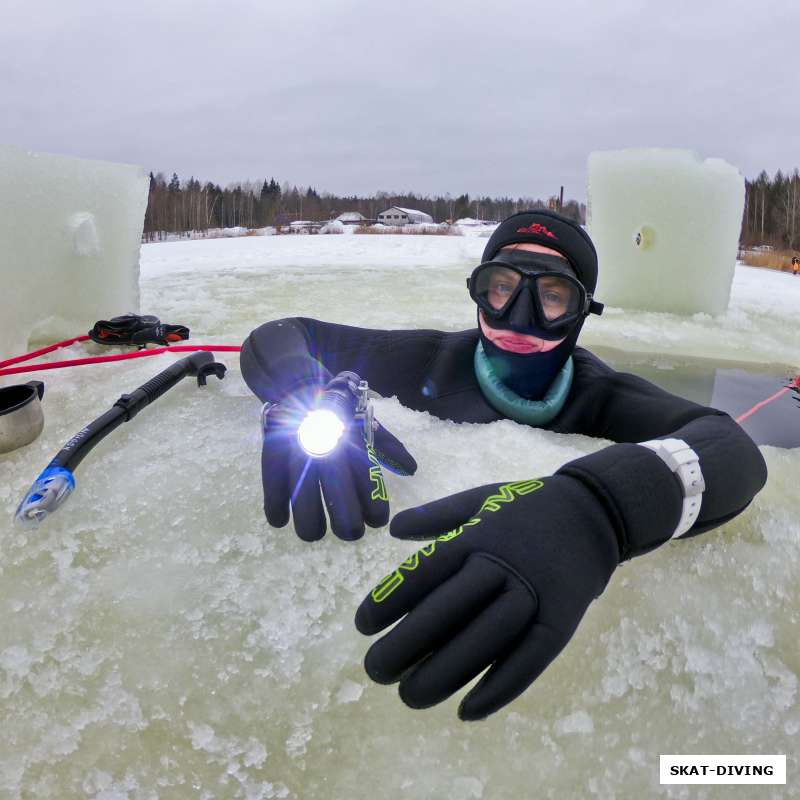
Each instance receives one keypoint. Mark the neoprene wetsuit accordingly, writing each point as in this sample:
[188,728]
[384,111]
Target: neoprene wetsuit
[433,371]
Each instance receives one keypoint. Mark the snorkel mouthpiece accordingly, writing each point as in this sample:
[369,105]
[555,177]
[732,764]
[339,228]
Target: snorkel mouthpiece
[48,493]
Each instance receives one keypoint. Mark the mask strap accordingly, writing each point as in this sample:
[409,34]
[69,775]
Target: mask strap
[595,307]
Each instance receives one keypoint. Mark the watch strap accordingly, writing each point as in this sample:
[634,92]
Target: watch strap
[684,463]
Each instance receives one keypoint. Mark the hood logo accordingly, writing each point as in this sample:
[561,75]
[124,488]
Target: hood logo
[538,229]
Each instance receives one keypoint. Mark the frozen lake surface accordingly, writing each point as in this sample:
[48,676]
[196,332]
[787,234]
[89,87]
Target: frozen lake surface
[159,640]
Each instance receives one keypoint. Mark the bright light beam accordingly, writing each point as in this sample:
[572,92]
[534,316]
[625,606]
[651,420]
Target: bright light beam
[320,432]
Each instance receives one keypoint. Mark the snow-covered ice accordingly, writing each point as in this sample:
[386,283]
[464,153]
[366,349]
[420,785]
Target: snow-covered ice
[158,639]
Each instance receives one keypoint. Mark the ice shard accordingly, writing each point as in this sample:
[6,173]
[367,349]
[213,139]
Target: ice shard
[70,230]
[666,226]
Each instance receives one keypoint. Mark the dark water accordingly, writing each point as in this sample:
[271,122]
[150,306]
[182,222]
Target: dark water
[731,386]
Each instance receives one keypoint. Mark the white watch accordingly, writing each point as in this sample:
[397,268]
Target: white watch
[685,465]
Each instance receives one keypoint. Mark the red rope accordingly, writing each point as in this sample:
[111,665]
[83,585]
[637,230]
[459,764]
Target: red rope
[794,385]
[77,362]
[36,353]
[742,417]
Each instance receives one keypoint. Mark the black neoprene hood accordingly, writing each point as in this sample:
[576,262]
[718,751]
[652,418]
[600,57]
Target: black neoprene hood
[550,230]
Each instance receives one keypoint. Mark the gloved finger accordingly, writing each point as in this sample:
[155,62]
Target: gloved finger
[275,479]
[512,674]
[470,651]
[307,511]
[391,452]
[340,496]
[437,618]
[368,483]
[401,590]
[440,516]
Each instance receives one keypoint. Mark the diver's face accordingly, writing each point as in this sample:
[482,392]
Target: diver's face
[553,302]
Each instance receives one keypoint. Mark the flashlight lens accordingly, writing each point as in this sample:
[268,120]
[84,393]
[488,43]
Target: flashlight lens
[319,432]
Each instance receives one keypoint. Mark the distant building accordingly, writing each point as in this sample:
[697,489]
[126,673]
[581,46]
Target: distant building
[304,226]
[404,216]
[353,218]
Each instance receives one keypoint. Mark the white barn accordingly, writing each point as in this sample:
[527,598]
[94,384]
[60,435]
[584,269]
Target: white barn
[404,216]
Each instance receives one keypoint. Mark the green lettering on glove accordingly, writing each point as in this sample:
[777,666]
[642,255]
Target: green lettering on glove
[506,493]
[376,476]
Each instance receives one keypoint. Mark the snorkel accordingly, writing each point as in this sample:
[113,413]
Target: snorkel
[57,481]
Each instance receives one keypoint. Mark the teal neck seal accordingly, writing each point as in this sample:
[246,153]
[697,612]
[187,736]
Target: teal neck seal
[512,405]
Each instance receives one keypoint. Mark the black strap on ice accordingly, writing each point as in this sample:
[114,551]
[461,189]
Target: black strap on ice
[133,329]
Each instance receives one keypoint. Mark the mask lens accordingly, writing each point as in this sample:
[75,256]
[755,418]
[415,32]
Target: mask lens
[496,286]
[559,298]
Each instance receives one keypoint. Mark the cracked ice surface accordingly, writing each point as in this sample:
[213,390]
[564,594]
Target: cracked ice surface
[159,640]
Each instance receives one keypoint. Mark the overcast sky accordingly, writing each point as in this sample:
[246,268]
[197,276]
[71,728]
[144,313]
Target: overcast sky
[498,98]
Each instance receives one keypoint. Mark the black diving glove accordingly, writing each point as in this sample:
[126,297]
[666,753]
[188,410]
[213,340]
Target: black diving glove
[349,479]
[505,584]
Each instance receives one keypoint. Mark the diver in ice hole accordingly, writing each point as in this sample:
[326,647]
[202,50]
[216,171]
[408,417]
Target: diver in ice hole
[508,569]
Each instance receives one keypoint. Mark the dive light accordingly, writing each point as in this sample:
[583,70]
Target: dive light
[344,401]
[319,432]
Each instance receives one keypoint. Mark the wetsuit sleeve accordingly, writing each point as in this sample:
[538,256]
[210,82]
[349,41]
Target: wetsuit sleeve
[636,488]
[282,356]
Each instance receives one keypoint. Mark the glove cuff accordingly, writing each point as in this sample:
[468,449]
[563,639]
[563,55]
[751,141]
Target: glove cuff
[641,496]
